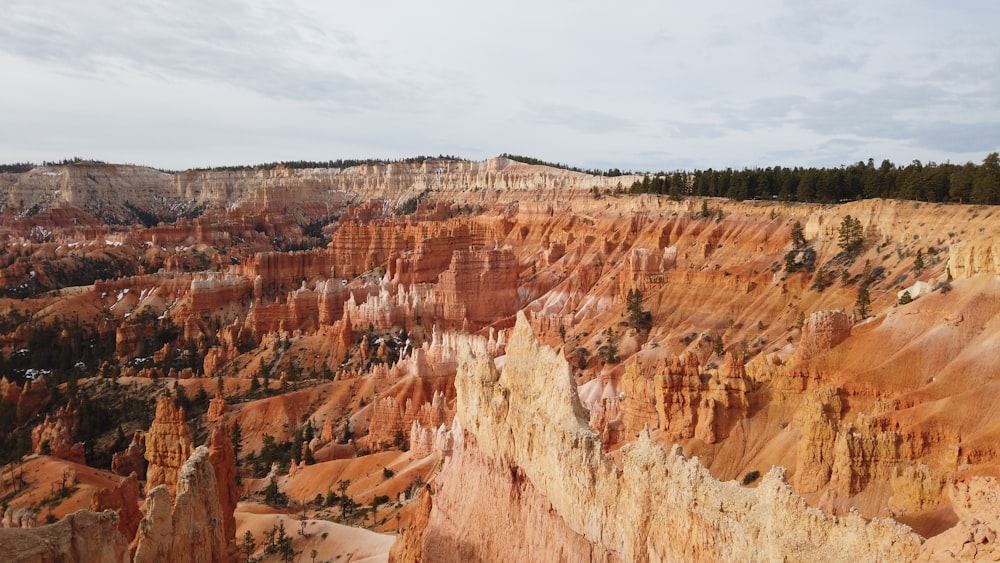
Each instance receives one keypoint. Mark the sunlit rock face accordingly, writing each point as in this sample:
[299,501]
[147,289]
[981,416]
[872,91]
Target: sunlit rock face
[192,527]
[168,446]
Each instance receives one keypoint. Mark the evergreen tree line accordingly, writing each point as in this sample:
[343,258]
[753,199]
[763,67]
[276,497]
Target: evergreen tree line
[611,172]
[958,183]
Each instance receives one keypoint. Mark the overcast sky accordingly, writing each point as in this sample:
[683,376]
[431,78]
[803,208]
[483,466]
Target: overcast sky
[643,85]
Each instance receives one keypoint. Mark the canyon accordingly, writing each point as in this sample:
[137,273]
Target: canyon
[399,361]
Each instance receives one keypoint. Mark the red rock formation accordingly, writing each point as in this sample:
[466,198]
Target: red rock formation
[678,398]
[56,436]
[822,331]
[81,536]
[213,294]
[223,459]
[480,286]
[34,395]
[389,419]
[123,499]
[215,358]
[217,408]
[280,273]
[9,392]
[168,445]
[639,406]
[132,459]
[386,420]
[712,407]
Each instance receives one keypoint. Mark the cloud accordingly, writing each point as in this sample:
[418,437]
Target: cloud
[578,119]
[642,85]
[270,49]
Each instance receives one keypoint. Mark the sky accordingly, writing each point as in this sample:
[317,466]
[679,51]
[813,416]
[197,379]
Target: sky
[637,85]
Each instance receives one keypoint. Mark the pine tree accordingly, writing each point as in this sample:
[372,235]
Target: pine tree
[864,302]
[850,235]
[798,237]
[986,185]
[236,436]
[918,262]
[609,350]
[249,545]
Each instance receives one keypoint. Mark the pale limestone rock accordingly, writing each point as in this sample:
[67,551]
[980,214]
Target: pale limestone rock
[82,536]
[192,527]
[977,505]
[526,459]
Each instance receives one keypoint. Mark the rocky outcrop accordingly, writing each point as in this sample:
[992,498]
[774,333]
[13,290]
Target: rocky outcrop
[678,398]
[706,407]
[217,408]
[389,421]
[818,419]
[132,459]
[526,454]
[33,396]
[114,191]
[425,440]
[123,498]
[822,331]
[970,257]
[223,459]
[81,536]
[638,409]
[977,505]
[55,436]
[192,527]
[168,445]
[19,518]
[480,286]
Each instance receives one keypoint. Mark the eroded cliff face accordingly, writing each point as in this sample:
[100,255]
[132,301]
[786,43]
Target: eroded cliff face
[114,191]
[523,445]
